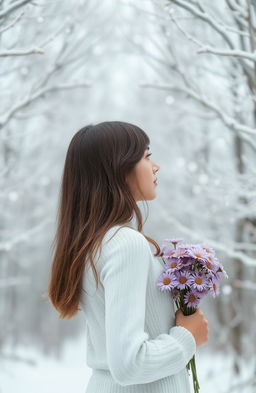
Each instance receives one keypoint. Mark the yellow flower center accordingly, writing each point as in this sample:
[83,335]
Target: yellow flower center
[166,280]
[198,280]
[174,264]
[209,265]
[197,254]
[182,280]
[191,298]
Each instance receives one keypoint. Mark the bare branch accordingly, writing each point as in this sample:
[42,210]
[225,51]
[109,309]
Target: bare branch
[22,52]
[232,53]
[209,49]
[205,17]
[244,284]
[239,10]
[217,27]
[33,97]
[236,14]
[12,24]
[53,36]
[23,236]
[229,121]
[244,246]
[13,7]
[193,234]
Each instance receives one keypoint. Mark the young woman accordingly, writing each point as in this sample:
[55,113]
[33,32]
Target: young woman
[102,263]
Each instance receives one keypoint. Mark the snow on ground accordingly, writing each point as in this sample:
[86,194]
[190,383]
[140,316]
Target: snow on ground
[71,374]
[48,375]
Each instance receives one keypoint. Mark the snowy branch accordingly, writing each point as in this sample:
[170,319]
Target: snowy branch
[244,284]
[230,122]
[38,94]
[17,4]
[218,27]
[12,24]
[209,49]
[232,53]
[205,17]
[22,52]
[23,236]
[193,234]
[244,246]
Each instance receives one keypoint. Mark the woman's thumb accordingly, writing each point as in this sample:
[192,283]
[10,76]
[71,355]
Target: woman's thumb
[178,313]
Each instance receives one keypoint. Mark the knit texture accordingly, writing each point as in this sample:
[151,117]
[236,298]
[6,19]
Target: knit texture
[133,345]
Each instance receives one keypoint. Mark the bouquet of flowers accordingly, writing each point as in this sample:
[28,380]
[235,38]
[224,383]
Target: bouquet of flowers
[190,273]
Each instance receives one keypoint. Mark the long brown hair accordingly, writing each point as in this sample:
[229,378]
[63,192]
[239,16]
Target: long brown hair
[94,197]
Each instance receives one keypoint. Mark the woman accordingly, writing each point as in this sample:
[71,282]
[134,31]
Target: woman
[135,341]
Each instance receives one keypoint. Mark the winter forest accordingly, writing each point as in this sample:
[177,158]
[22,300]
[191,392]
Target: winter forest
[185,72]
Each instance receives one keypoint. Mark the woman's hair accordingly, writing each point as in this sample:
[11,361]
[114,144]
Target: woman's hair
[94,197]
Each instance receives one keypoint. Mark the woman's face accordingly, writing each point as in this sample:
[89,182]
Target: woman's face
[142,179]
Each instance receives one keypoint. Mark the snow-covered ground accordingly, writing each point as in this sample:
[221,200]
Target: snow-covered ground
[71,374]
[47,375]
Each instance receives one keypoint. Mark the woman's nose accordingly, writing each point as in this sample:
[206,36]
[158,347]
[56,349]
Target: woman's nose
[156,167]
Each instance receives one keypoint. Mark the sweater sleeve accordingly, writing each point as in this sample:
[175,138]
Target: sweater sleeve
[133,358]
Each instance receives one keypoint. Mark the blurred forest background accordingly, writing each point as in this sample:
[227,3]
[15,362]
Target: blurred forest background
[185,72]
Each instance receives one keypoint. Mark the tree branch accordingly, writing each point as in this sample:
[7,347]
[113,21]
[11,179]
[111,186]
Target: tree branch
[5,12]
[12,24]
[209,49]
[217,27]
[33,97]
[232,53]
[192,233]
[21,52]
[227,120]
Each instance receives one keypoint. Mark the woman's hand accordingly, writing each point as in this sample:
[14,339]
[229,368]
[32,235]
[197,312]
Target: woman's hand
[195,323]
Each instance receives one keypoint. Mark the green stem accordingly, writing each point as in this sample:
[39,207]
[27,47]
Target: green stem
[192,365]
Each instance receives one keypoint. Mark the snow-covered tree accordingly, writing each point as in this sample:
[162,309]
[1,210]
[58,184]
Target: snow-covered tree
[45,52]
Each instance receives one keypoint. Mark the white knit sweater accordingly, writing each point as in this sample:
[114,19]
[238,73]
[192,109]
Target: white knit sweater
[133,345]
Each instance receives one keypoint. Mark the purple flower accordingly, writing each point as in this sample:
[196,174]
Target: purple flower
[191,272]
[173,264]
[199,282]
[222,270]
[191,299]
[214,288]
[181,252]
[186,261]
[208,250]
[166,281]
[174,240]
[163,248]
[184,279]
[198,253]
[210,264]
[175,293]
[168,254]
[201,294]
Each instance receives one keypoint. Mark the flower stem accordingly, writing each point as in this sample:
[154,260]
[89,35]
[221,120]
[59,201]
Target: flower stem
[192,365]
